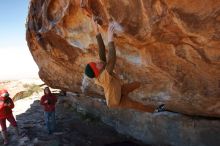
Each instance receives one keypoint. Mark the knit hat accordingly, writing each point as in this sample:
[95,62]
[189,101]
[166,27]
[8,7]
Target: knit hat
[91,71]
[4,93]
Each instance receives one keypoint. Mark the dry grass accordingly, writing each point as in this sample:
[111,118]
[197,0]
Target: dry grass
[31,89]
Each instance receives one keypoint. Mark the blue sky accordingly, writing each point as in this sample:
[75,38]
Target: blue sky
[12,21]
[13,45]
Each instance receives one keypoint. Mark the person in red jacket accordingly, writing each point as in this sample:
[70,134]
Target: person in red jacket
[48,100]
[6,106]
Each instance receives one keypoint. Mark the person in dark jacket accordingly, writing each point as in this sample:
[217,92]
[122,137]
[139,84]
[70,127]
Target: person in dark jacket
[48,101]
[116,92]
[6,106]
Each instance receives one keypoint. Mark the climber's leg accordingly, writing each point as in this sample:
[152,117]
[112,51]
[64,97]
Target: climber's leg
[126,102]
[127,88]
[3,124]
[5,137]
[47,122]
[4,131]
[53,121]
[13,122]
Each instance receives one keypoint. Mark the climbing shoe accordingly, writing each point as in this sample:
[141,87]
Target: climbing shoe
[160,108]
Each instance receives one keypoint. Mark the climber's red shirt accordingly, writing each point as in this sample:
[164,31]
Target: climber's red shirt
[50,106]
[5,111]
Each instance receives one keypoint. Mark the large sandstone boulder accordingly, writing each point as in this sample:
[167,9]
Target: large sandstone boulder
[171,46]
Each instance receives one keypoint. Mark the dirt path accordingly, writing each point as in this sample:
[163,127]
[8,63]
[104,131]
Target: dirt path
[73,129]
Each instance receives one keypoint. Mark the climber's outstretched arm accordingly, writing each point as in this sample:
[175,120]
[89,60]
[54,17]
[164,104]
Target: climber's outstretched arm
[112,52]
[101,45]
[102,54]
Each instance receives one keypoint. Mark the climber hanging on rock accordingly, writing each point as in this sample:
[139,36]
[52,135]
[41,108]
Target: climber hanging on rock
[116,93]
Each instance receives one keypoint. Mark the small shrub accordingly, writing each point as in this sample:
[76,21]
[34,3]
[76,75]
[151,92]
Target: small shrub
[31,88]
[22,95]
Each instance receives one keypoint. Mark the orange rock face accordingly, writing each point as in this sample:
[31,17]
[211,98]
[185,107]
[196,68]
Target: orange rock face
[172,47]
